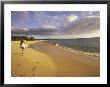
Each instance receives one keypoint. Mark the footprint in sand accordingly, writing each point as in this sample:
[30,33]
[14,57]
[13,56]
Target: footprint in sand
[34,68]
[33,74]
[18,65]
[23,75]
[15,53]
[37,62]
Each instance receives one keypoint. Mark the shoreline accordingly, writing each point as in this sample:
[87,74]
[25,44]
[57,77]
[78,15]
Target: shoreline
[94,54]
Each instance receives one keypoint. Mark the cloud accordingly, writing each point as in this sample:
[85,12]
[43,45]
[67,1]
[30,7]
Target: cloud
[72,18]
[33,31]
[20,15]
[84,26]
[48,26]
[56,23]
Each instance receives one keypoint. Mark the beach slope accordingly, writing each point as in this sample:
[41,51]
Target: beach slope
[42,59]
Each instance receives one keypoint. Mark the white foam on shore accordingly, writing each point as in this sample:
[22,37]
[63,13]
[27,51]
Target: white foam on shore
[78,51]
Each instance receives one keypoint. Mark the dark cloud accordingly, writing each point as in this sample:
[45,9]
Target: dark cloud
[37,31]
[84,25]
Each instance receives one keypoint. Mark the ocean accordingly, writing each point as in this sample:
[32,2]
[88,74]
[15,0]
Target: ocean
[91,45]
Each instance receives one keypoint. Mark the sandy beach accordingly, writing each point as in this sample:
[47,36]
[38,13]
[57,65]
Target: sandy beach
[42,59]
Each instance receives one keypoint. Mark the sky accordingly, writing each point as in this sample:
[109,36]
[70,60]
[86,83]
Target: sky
[57,24]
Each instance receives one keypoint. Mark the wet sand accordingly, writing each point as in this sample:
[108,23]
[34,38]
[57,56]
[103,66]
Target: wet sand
[42,59]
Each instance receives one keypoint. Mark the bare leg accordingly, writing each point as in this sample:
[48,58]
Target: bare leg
[22,51]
